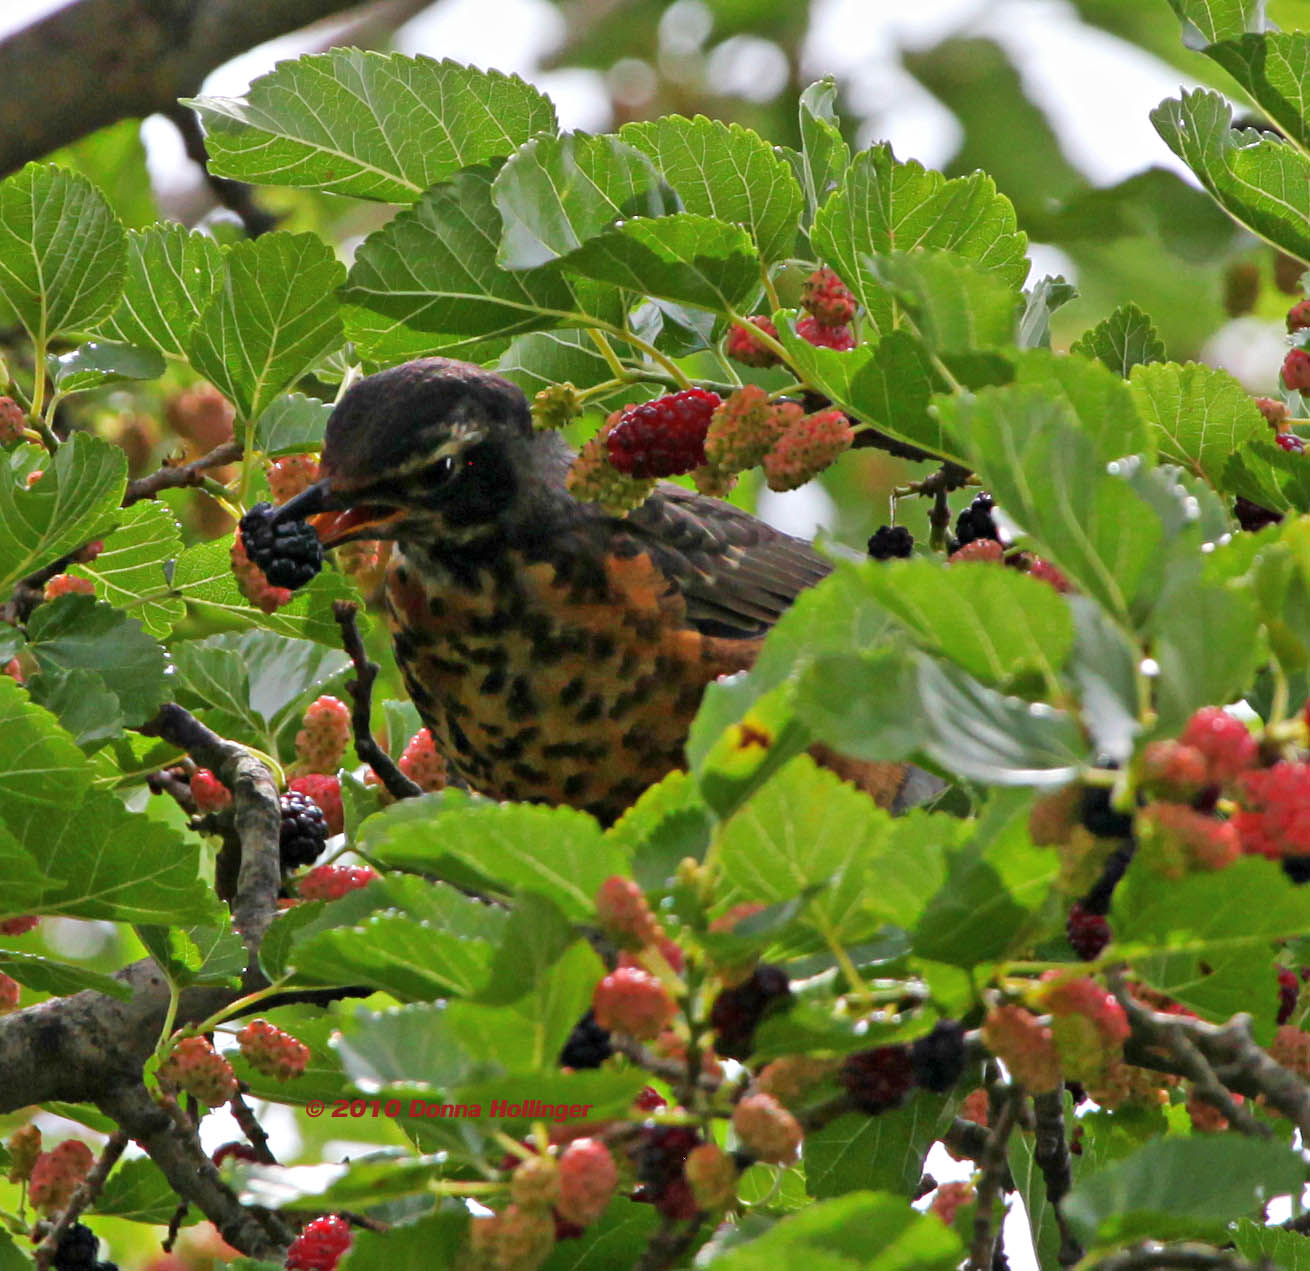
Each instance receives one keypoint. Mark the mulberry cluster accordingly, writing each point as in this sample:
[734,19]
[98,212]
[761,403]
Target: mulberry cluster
[252,582]
[661,1159]
[77,1250]
[976,522]
[287,552]
[304,831]
[320,1246]
[766,1129]
[743,347]
[737,1011]
[827,299]
[291,475]
[324,735]
[1088,1024]
[331,882]
[12,421]
[326,792]
[1177,840]
[745,427]
[629,1000]
[664,437]
[269,1050]
[55,1175]
[422,763]
[877,1079]
[68,585]
[196,1067]
[891,542]
[593,479]
[807,447]
[587,1179]
[210,794]
[812,331]
[624,915]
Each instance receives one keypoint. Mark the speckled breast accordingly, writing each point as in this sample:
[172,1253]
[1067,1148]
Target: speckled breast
[558,681]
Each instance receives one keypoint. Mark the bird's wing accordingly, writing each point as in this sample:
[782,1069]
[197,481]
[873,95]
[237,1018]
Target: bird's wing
[737,575]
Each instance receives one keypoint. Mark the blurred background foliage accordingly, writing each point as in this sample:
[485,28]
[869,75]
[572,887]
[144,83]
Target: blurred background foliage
[1147,234]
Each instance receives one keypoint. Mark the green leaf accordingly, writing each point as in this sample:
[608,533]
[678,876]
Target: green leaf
[42,768]
[100,362]
[994,623]
[75,501]
[557,852]
[438,1044]
[1199,414]
[87,709]
[864,706]
[1041,300]
[536,935]
[203,578]
[1204,647]
[292,424]
[889,385]
[554,193]
[1104,667]
[690,259]
[371,125]
[138,1191]
[979,734]
[76,632]
[728,172]
[806,829]
[1044,471]
[866,1230]
[1258,1243]
[133,565]
[1181,1187]
[435,1240]
[1259,180]
[857,1152]
[273,317]
[433,268]
[883,206]
[1273,68]
[825,154]
[542,358]
[1127,338]
[62,251]
[172,273]
[1220,919]
[47,976]
[408,959]
[1220,19]
[955,306]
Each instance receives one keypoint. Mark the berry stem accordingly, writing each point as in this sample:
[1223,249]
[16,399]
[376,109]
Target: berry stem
[240,1006]
[671,367]
[764,339]
[769,289]
[1278,706]
[607,352]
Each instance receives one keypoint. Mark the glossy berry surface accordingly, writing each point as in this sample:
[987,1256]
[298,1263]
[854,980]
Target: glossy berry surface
[588,1045]
[737,1011]
[877,1079]
[664,437]
[891,542]
[976,521]
[288,552]
[320,1245]
[304,832]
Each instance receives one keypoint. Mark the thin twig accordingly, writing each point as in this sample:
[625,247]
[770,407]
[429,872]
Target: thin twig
[360,689]
[180,475]
[244,1116]
[87,1190]
[175,1227]
[992,1183]
[1051,1155]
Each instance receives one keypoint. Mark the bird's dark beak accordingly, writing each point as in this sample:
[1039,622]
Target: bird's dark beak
[332,521]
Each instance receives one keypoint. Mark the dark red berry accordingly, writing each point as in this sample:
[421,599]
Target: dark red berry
[891,541]
[877,1079]
[288,552]
[1289,989]
[1290,442]
[77,1249]
[1274,411]
[304,832]
[1296,369]
[1298,316]
[743,347]
[234,1152]
[649,1100]
[663,438]
[938,1058]
[588,1045]
[737,1011]
[814,332]
[976,521]
[663,1152]
[1252,517]
[1088,933]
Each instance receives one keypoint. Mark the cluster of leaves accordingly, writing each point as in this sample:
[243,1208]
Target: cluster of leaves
[618,264]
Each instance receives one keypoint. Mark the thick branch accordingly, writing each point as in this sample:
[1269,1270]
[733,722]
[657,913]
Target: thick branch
[257,815]
[95,62]
[1228,1049]
[992,1184]
[173,1146]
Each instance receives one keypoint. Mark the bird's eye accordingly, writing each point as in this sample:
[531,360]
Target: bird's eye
[443,469]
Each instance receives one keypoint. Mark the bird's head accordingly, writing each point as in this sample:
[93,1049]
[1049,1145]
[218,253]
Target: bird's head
[433,449]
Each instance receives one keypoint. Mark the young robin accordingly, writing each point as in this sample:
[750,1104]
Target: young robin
[557,653]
